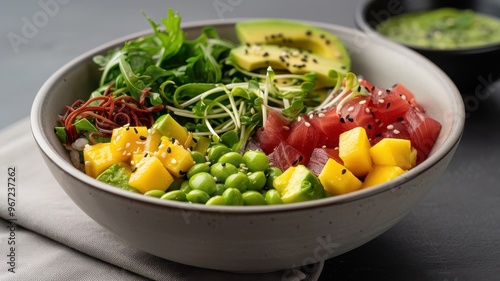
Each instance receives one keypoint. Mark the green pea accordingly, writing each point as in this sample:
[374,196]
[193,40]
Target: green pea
[198,168]
[185,187]
[256,160]
[272,173]
[155,193]
[216,200]
[257,180]
[198,157]
[216,151]
[273,197]
[232,157]
[219,188]
[239,181]
[252,197]
[202,181]
[176,184]
[222,170]
[176,195]
[197,196]
[233,197]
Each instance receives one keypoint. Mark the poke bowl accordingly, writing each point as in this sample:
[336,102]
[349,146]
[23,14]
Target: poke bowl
[256,238]
[471,66]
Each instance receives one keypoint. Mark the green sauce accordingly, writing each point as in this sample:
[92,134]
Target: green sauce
[444,28]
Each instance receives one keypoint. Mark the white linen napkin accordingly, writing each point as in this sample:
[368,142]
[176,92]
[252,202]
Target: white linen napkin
[42,207]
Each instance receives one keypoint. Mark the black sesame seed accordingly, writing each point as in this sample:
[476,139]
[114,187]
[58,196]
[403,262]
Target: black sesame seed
[400,119]
[182,173]
[343,67]
[315,60]
[369,126]
[359,88]
[135,130]
[350,119]
[342,120]
[327,42]
[248,44]
[146,154]
[173,140]
[266,54]
[134,169]
[169,150]
[308,33]
[195,140]
[127,128]
[344,171]
[295,162]
[322,36]
[223,164]
[301,158]
[378,135]
[387,105]
[143,138]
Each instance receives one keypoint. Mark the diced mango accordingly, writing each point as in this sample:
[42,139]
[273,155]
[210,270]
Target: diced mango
[354,151]
[337,179]
[150,174]
[282,181]
[380,174]
[174,157]
[168,127]
[126,140]
[152,141]
[392,152]
[98,158]
[201,144]
[413,157]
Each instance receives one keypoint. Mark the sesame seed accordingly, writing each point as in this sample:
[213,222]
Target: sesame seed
[362,101]
[321,115]
[381,100]
[344,171]
[311,116]
[367,110]
[146,154]
[307,124]
[286,128]
[127,145]
[324,146]
[135,130]
[350,109]
[162,146]
[143,138]
[390,127]
[380,93]
[396,132]
[388,105]
[342,120]
[169,150]
[299,118]
[124,153]
[163,154]
[173,161]
[87,163]
[134,169]
[118,138]
[403,97]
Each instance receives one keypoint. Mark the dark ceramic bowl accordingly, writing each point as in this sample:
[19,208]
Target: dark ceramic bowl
[471,69]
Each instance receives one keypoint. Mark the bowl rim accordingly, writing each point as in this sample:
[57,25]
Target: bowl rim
[363,25]
[52,155]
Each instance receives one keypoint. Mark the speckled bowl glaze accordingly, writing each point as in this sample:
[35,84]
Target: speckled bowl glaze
[257,238]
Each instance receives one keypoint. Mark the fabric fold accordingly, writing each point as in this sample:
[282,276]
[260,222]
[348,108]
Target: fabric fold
[44,208]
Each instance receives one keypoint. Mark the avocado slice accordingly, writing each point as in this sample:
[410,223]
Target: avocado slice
[252,57]
[293,34]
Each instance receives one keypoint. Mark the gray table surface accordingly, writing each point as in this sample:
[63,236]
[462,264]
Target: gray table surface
[454,234]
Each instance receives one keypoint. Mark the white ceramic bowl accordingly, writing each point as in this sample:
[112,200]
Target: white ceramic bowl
[260,238]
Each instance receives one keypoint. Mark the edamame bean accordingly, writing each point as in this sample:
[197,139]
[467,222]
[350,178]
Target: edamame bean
[256,160]
[272,173]
[198,157]
[239,181]
[216,200]
[155,193]
[198,168]
[185,187]
[176,195]
[216,151]
[273,197]
[197,196]
[232,157]
[176,184]
[233,197]
[252,197]
[222,170]
[257,180]
[202,181]
[219,188]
